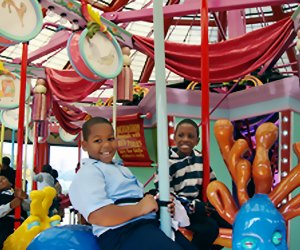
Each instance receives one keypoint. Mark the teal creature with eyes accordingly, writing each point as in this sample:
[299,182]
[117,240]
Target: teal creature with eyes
[259,225]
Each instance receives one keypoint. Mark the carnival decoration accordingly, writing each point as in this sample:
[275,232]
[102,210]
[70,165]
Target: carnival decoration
[95,55]
[77,237]
[40,113]
[21,21]
[260,223]
[125,79]
[10,117]
[131,141]
[5,71]
[267,232]
[65,136]
[10,91]
[43,132]
[39,101]
[38,221]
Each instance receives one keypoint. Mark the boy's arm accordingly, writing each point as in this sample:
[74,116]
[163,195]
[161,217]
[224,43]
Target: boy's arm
[112,215]
[4,209]
[38,178]
[19,193]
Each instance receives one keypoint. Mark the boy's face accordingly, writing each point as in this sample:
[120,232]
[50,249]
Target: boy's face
[101,144]
[4,183]
[186,138]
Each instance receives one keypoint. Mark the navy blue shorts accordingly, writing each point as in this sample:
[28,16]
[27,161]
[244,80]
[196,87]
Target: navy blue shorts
[143,234]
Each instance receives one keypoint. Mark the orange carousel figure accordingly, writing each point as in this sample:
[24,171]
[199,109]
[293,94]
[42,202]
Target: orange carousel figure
[260,223]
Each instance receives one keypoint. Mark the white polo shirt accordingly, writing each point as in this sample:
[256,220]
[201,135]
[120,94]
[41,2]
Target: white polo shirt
[44,180]
[98,184]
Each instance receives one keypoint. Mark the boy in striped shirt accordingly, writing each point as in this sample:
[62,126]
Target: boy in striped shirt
[186,178]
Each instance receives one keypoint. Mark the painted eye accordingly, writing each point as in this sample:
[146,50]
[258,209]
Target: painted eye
[277,238]
[249,243]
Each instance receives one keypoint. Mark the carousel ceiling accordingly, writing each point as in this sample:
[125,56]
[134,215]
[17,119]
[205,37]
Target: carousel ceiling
[227,19]
[181,29]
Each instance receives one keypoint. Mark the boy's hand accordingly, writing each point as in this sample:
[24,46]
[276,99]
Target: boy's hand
[171,206]
[19,193]
[15,203]
[209,208]
[148,204]
[201,208]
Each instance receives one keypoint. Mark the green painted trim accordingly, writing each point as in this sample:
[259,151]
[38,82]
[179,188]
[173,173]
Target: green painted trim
[112,25]
[76,7]
[296,13]
[32,72]
[266,107]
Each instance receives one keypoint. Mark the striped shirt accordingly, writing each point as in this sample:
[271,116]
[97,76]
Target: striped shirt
[186,174]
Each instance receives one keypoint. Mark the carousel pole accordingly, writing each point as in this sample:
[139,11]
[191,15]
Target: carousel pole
[162,122]
[1,141]
[79,151]
[21,127]
[25,148]
[13,132]
[205,96]
[35,154]
[114,118]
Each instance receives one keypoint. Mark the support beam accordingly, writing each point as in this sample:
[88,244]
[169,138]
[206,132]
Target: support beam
[191,7]
[58,41]
[249,20]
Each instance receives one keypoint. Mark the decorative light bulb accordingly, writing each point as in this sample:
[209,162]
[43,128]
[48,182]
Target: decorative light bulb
[285,146]
[75,25]
[285,119]
[50,11]
[63,18]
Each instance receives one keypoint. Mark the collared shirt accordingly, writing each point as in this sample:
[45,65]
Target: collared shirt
[44,180]
[186,174]
[98,184]
[4,209]
[6,196]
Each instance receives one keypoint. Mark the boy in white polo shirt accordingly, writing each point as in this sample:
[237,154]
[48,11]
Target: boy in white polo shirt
[101,183]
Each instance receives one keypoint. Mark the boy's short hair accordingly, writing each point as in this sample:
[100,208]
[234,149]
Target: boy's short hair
[54,173]
[188,121]
[47,169]
[6,161]
[88,124]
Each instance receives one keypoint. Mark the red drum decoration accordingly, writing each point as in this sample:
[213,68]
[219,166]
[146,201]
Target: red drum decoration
[96,58]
